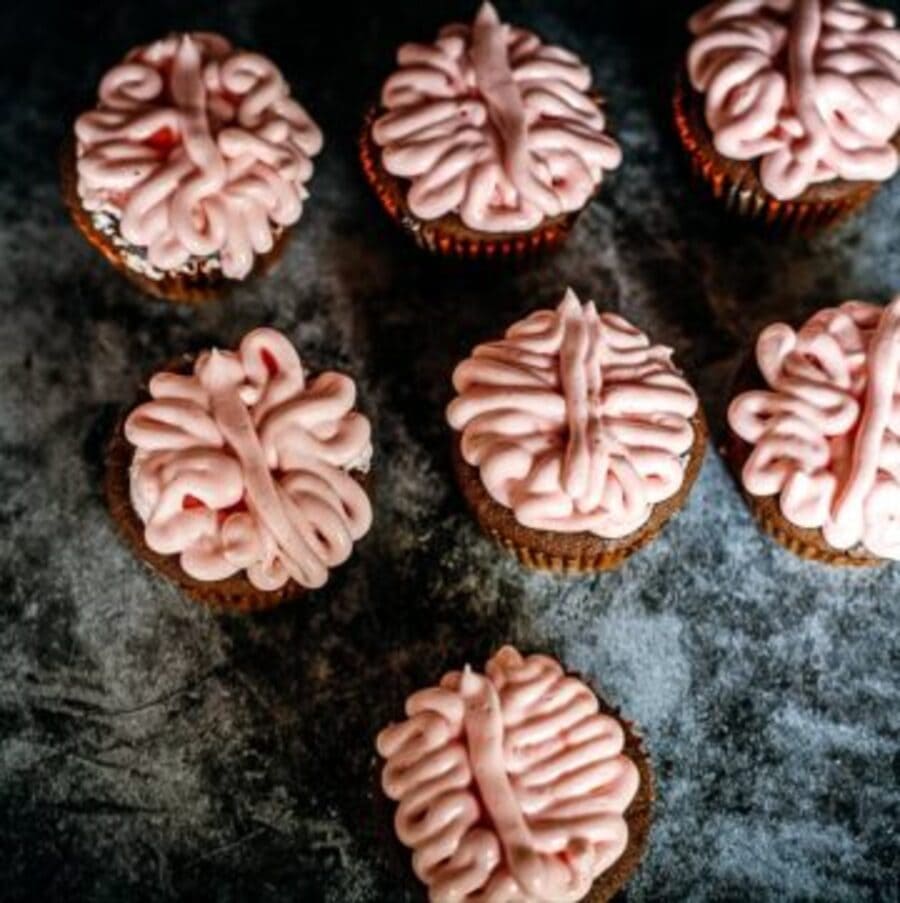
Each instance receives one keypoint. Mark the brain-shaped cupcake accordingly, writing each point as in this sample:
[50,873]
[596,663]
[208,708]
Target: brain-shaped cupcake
[198,150]
[511,786]
[826,433]
[575,421]
[810,88]
[492,124]
[245,465]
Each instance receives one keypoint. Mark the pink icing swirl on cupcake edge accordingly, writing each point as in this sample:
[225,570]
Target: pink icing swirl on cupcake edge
[511,785]
[826,431]
[198,150]
[575,421]
[490,123]
[245,465]
[810,88]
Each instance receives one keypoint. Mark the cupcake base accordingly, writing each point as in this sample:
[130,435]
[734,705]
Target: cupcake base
[570,553]
[234,594]
[802,541]
[179,287]
[638,816]
[447,235]
[735,183]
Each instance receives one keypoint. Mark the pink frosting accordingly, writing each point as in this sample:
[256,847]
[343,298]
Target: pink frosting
[198,150]
[810,88]
[244,465]
[511,786]
[575,420]
[826,436]
[490,123]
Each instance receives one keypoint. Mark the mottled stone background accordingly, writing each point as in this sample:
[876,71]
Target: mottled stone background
[150,750]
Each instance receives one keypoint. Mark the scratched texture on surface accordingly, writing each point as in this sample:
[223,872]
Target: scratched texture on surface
[150,750]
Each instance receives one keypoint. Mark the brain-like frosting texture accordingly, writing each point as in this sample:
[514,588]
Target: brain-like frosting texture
[809,88]
[511,785]
[198,150]
[244,465]
[826,432]
[493,125]
[575,420]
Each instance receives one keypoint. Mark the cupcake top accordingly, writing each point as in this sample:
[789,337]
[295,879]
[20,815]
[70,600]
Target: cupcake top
[575,420]
[809,88]
[826,430]
[244,465]
[197,150]
[511,785]
[491,124]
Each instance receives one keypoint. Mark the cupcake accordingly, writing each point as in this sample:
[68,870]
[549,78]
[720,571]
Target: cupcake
[240,478]
[790,109]
[576,438]
[517,785]
[191,169]
[487,142]
[815,434]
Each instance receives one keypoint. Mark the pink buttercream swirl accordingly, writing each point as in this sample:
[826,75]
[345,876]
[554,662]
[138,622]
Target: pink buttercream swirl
[490,123]
[826,436]
[575,420]
[511,785]
[245,465]
[810,88]
[198,149]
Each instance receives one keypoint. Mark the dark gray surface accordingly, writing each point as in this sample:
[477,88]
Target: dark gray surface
[150,750]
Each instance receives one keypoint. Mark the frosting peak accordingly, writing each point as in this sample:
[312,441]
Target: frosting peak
[575,421]
[810,88]
[490,123]
[198,150]
[511,785]
[826,433]
[244,465]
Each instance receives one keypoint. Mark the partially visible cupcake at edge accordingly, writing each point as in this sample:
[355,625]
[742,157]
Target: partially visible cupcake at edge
[815,434]
[576,438]
[790,109]
[488,142]
[517,784]
[191,170]
[242,478]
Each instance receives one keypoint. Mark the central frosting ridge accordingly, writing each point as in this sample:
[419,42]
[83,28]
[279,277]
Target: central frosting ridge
[198,150]
[512,787]
[490,123]
[244,465]
[575,421]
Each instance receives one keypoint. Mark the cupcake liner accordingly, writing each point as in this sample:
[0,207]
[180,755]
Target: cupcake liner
[570,553]
[181,288]
[447,236]
[802,541]
[735,185]
[234,594]
[638,816]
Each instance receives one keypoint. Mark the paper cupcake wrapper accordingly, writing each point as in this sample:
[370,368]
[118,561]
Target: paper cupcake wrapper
[181,288]
[447,236]
[745,198]
[639,816]
[539,560]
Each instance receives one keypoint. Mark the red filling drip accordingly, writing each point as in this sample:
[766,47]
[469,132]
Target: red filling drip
[163,139]
[191,501]
[269,360]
